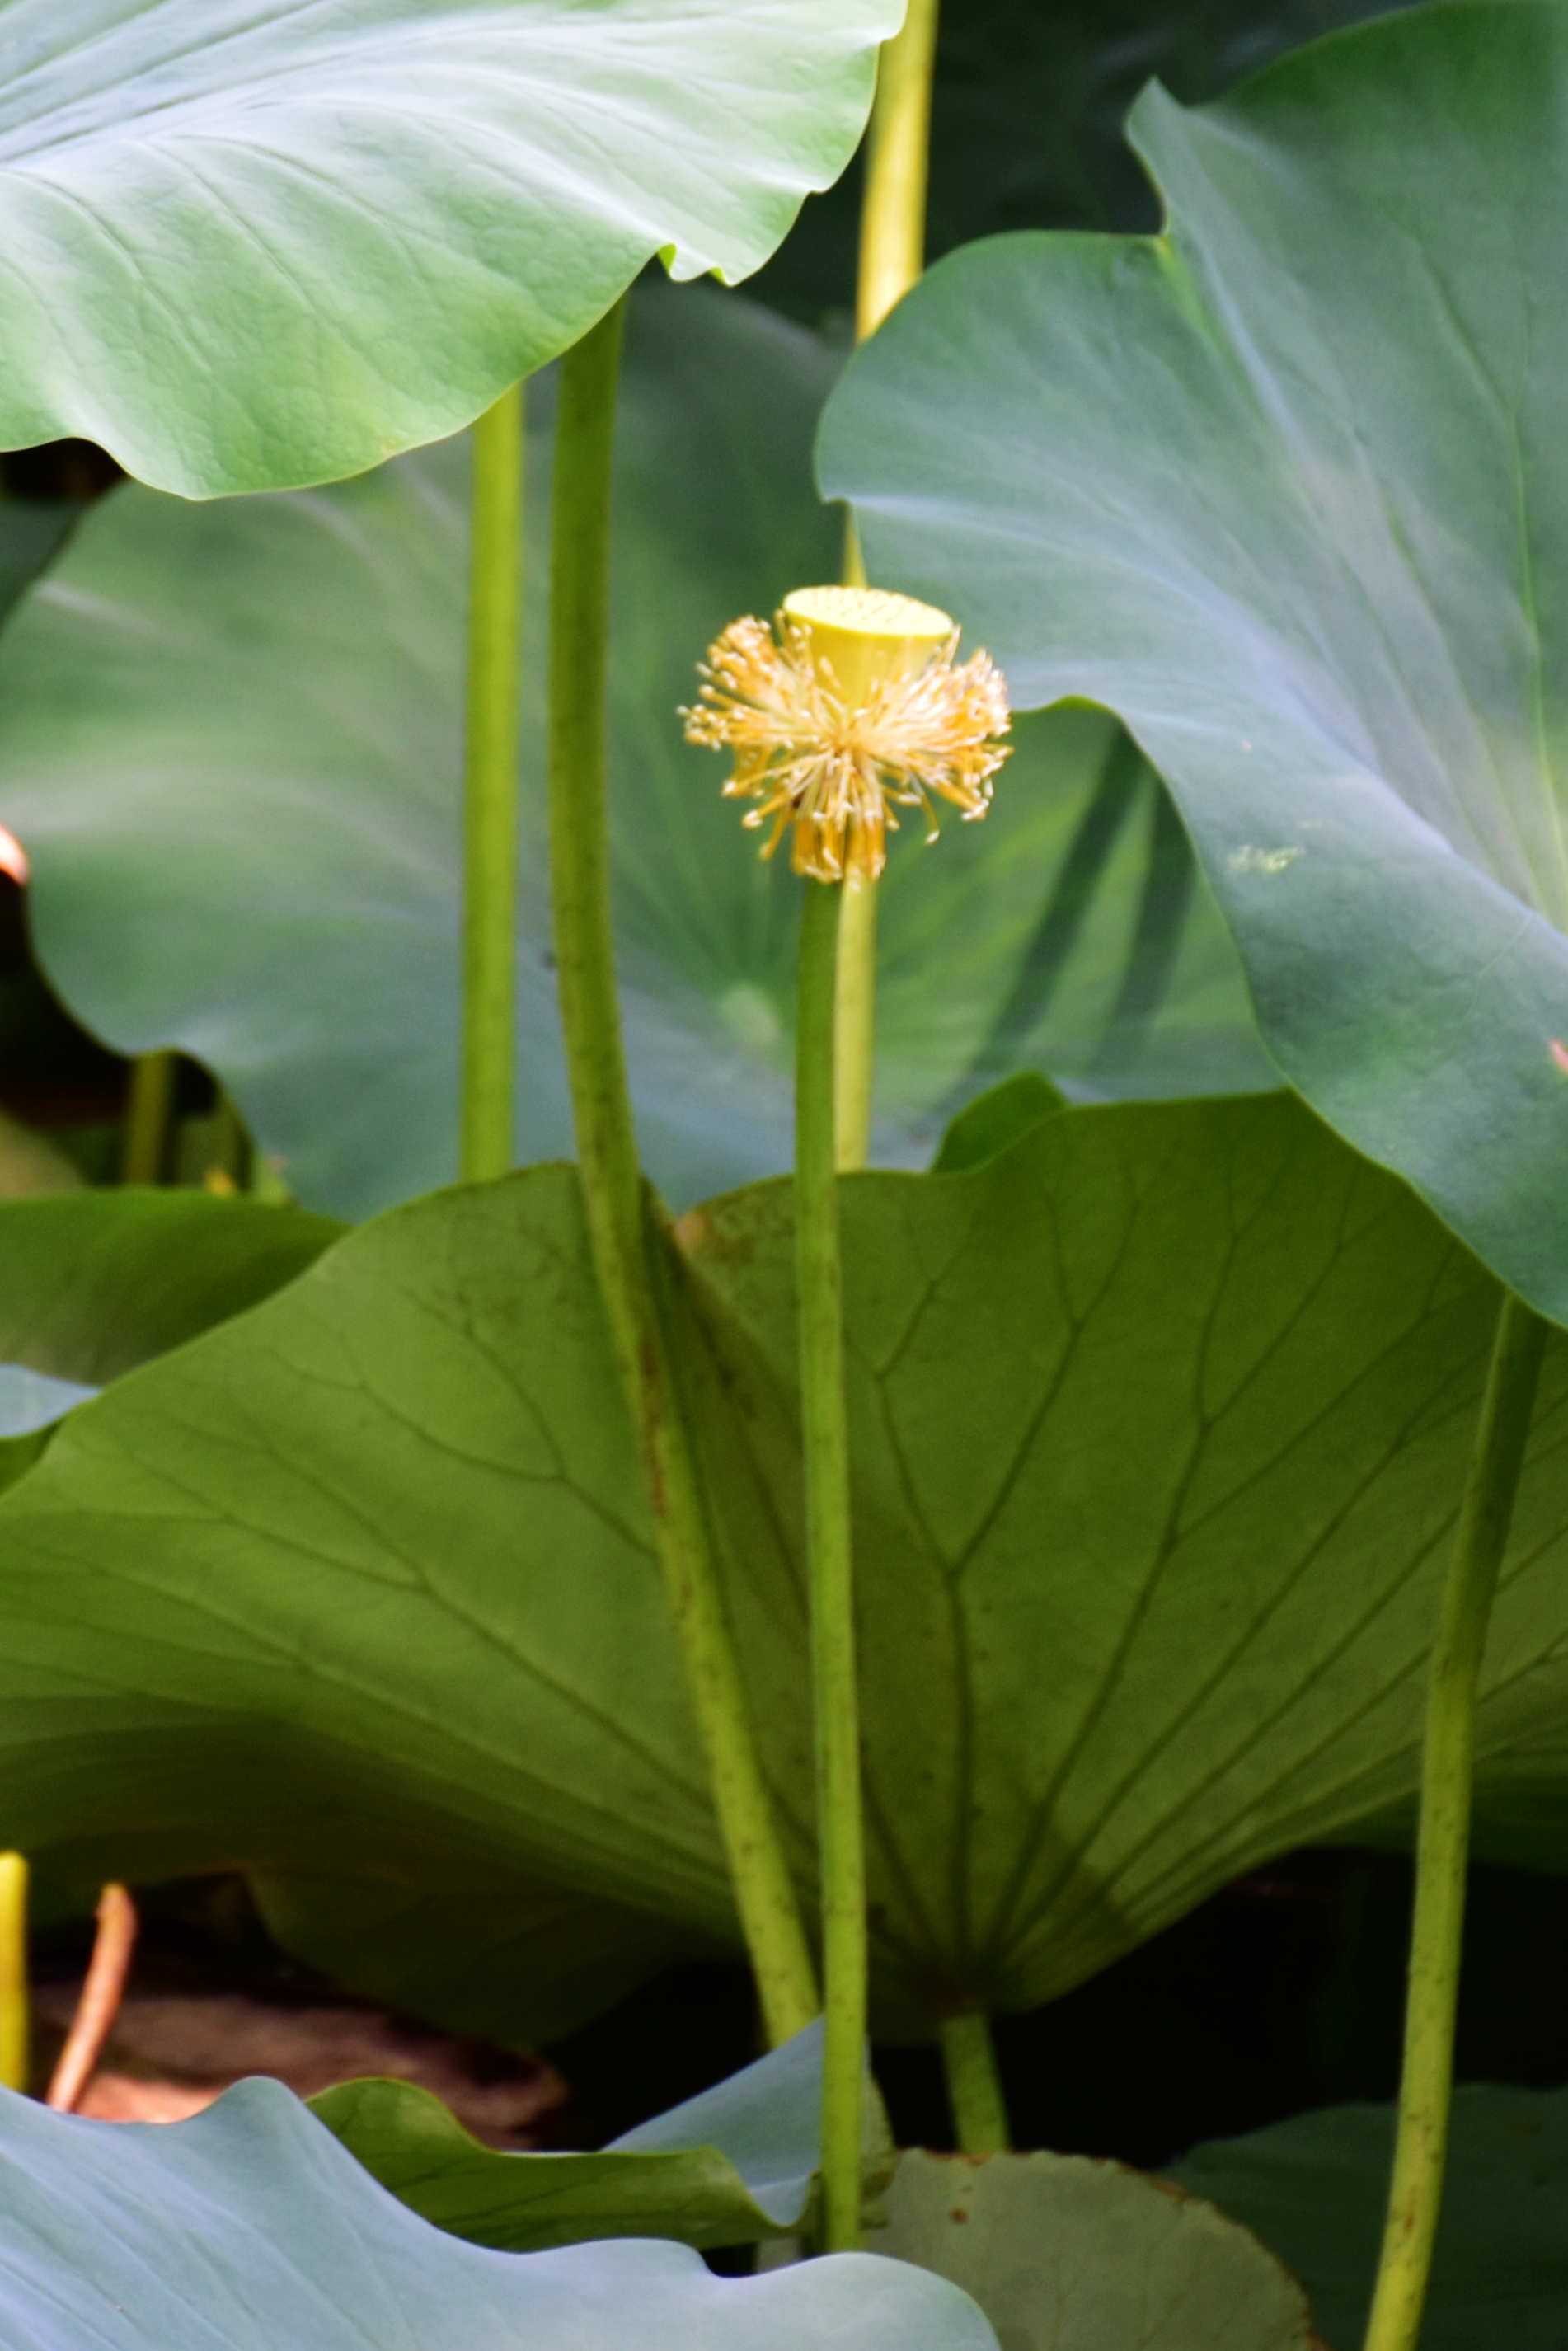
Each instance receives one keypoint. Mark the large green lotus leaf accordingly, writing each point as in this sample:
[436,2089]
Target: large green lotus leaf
[1314,2189]
[230,738]
[356,1590]
[728,2168]
[248,2228]
[94,1282]
[248,248]
[1065,2255]
[1286,489]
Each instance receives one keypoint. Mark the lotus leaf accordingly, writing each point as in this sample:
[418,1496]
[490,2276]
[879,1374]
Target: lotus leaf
[357,1589]
[247,249]
[1313,2189]
[230,738]
[1285,487]
[249,2226]
[1066,2254]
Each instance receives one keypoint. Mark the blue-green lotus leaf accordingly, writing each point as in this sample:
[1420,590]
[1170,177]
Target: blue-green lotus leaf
[249,2228]
[1286,486]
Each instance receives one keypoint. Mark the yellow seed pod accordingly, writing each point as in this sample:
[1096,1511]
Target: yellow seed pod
[867,636]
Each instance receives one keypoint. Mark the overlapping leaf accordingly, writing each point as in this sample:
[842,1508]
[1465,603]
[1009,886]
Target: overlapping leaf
[1160,1425]
[250,2227]
[248,249]
[732,2166]
[230,738]
[1285,487]
[94,1282]
[1314,2189]
[1065,2255]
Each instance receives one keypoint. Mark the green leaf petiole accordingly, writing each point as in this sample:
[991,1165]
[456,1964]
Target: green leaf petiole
[1448,1761]
[576,765]
[490,792]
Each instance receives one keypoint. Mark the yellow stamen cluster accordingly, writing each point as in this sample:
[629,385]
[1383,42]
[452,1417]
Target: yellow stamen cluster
[831,753]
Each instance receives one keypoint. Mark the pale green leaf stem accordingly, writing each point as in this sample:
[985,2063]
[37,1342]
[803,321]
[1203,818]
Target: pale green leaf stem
[1447,1768]
[149,1109]
[576,765]
[892,255]
[490,793]
[974,2083]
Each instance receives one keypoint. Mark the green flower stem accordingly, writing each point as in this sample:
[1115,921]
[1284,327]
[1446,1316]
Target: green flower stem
[1425,2088]
[973,2085]
[855,1025]
[839,1832]
[490,793]
[611,1180]
[14,2019]
[891,257]
[149,1107]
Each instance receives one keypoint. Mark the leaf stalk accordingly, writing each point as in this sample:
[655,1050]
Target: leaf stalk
[891,257]
[1442,1849]
[490,793]
[974,2083]
[148,1111]
[611,1180]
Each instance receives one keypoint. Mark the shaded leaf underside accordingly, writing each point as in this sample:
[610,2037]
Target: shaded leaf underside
[1161,1420]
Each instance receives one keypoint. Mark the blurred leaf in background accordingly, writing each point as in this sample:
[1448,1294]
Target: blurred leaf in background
[230,740]
[1026,121]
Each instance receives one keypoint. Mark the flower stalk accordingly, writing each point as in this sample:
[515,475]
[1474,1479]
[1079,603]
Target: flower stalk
[851,708]
[490,793]
[841,1833]
[1442,1848]
[611,1180]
